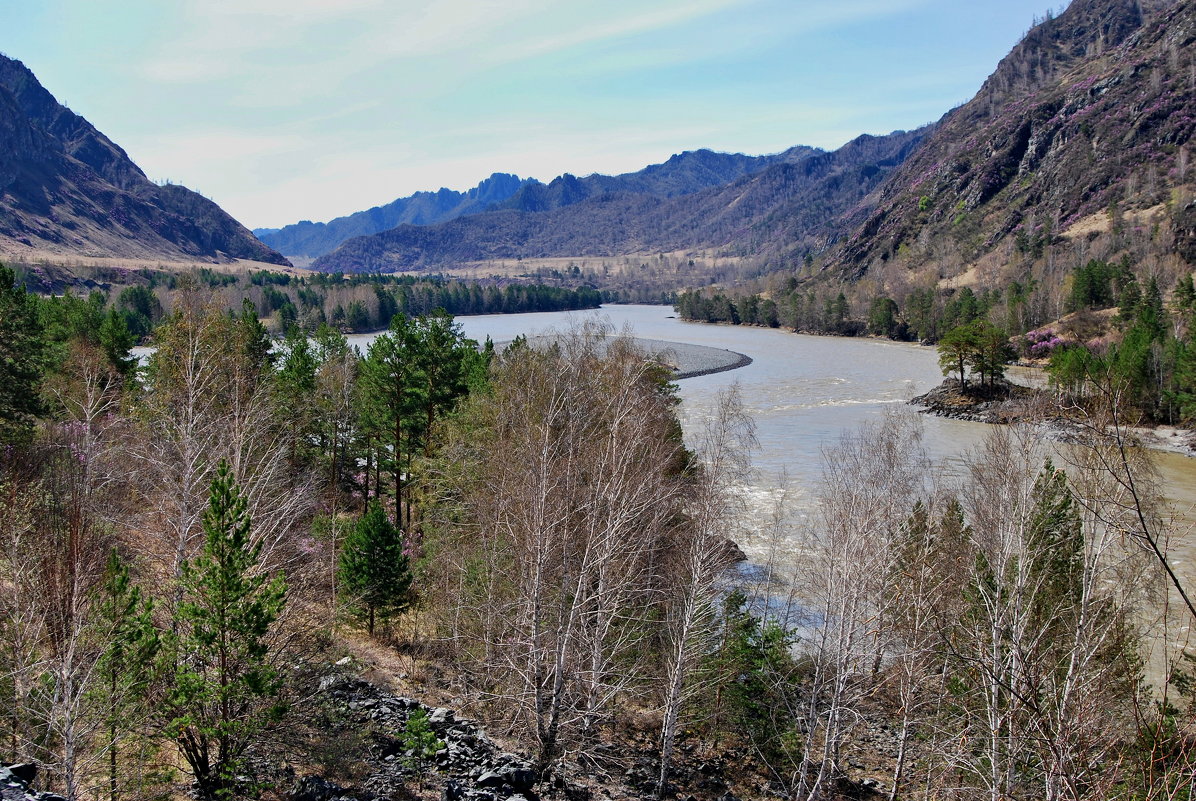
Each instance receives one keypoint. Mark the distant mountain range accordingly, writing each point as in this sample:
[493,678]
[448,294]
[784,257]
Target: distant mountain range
[66,189]
[782,206]
[1090,116]
[683,174]
[1092,112]
[307,240]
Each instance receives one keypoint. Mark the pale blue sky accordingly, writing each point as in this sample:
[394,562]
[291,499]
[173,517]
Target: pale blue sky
[282,110]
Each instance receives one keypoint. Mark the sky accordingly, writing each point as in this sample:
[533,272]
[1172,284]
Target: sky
[285,110]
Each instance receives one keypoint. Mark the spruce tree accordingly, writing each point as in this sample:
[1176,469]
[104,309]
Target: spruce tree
[226,689]
[375,573]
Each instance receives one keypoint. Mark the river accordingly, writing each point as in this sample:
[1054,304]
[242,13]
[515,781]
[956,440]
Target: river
[803,391]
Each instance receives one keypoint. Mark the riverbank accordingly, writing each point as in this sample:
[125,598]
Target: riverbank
[1007,402]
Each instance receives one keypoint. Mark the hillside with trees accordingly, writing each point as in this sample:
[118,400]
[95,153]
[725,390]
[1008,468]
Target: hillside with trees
[1082,130]
[200,556]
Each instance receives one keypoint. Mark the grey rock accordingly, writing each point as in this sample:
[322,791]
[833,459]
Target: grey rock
[24,772]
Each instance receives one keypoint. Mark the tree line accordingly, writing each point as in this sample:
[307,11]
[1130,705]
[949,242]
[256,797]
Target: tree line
[355,303]
[1147,349]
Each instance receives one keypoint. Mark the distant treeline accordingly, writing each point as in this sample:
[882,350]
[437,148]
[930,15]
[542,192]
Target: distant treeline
[350,304]
[923,315]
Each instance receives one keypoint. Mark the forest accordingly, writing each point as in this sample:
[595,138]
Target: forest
[358,303]
[188,545]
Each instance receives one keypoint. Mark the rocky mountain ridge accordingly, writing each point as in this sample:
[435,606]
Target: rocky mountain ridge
[1092,113]
[308,240]
[682,174]
[67,189]
[784,208]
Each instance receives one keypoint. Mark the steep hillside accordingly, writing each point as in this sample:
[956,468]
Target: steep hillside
[1089,117]
[783,208]
[307,240]
[67,189]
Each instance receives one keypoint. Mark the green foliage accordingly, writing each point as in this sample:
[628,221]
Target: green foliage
[375,573]
[117,341]
[1097,285]
[142,309]
[979,345]
[757,671]
[1072,369]
[419,742]
[413,375]
[882,317]
[21,360]
[991,353]
[955,350]
[226,689]
[1055,542]
[129,663]
[252,338]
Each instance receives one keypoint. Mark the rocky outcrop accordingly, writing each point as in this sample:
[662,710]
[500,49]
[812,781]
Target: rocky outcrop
[1093,107]
[1001,403]
[16,784]
[469,766]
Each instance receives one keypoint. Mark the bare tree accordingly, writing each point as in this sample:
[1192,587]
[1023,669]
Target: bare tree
[698,556]
[576,487]
[871,480]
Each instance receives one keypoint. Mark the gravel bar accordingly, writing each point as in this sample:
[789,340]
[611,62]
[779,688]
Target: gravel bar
[684,359]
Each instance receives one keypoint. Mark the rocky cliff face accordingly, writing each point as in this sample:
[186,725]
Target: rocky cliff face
[68,189]
[1094,109]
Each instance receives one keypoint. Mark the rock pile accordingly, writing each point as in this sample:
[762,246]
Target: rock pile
[1001,403]
[470,765]
[16,784]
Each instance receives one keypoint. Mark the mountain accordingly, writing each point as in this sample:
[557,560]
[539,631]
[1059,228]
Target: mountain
[683,174]
[784,207]
[68,190]
[1089,117]
[307,240]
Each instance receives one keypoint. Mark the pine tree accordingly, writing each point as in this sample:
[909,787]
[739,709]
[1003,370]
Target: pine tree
[117,340]
[20,360]
[419,742]
[955,352]
[391,399]
[226,689]
[127,666]
[375,573]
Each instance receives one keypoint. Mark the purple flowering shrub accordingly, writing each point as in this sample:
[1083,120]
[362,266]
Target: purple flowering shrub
[1040,344]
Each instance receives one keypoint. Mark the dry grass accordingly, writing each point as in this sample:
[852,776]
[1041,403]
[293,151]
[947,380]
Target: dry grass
[10,252]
